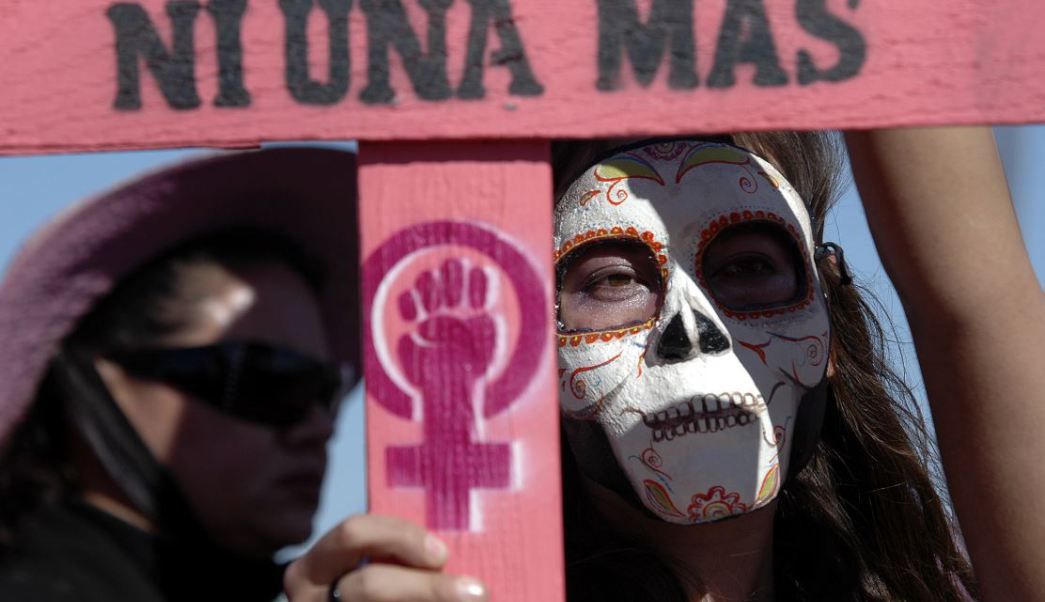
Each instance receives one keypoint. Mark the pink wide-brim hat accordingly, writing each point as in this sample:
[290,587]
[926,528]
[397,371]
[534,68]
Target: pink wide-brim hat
[306,194]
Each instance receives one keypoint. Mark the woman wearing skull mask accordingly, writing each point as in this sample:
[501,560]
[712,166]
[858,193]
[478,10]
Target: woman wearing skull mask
[722,366]
[725,419]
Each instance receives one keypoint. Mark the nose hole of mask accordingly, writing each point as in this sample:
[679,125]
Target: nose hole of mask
[711,338]
[675,344]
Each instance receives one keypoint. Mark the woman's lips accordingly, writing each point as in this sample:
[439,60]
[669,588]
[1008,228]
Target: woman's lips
[707,413]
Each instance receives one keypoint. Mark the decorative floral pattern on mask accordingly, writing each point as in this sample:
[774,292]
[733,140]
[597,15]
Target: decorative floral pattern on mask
[657,496]
[617,233]
[623,167]
[814,352]
[605,336]
[715,504]
[578,387]
[666,151]
[652,460]
[704,154]
[769,487]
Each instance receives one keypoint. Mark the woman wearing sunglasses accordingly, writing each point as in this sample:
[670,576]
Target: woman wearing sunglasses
[174,353]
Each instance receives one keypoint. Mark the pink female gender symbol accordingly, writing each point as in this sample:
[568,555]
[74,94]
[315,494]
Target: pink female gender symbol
[447,353]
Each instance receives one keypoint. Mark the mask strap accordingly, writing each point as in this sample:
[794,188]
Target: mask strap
[829,248]
[814,403]
[808,422]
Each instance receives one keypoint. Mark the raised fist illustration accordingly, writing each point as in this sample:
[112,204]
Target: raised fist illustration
[453,343]
[445,354]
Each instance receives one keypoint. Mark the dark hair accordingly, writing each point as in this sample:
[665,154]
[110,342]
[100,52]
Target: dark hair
[863,521]
[153,301]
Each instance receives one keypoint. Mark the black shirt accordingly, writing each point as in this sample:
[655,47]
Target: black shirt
[76,552]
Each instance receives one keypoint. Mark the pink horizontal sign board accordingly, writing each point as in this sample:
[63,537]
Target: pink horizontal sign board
[462,413]
[97,74]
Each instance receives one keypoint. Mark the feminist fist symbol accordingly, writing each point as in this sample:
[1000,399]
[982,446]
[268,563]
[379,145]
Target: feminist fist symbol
[454,340]
[445,357]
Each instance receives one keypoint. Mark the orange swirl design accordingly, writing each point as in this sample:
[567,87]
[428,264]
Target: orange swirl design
[619,169]
[579,390]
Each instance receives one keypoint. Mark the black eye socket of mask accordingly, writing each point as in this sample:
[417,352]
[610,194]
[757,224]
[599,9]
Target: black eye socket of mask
[754,265]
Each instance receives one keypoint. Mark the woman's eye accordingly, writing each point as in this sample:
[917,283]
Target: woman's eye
[617,286]
[747,267]
[618,280]
[608,286]
[752,267]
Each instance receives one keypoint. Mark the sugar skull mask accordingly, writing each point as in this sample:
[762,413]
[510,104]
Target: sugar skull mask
[691,322]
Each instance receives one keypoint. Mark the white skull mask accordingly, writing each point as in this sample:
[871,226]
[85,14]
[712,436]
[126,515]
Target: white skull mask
[697,398]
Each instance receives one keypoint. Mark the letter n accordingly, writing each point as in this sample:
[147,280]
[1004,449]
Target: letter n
[619,25]
[387,24]
[174,70]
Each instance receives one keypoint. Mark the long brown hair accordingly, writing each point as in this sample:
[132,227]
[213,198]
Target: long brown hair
[863,521]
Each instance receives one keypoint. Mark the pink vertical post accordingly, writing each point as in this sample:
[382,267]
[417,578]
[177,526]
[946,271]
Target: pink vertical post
[461,406]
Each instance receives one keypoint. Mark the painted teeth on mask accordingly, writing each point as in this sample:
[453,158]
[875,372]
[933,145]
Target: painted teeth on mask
[708,413]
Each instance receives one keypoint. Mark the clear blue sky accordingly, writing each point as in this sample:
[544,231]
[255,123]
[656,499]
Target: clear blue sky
[36,188]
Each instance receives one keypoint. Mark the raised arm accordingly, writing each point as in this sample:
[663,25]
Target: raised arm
[939,209]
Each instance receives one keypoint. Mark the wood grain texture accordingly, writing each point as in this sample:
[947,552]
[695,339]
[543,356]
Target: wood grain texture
[909,63]
[462,412]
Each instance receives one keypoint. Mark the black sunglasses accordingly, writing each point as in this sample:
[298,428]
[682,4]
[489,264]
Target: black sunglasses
[254,381]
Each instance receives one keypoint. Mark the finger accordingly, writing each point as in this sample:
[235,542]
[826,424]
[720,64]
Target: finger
[342,548]
[453,281]
[477,288]
[442,329]
[407,306]
[390,583]
[428,288]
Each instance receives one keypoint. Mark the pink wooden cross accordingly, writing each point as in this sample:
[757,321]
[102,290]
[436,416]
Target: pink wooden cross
[454,103]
